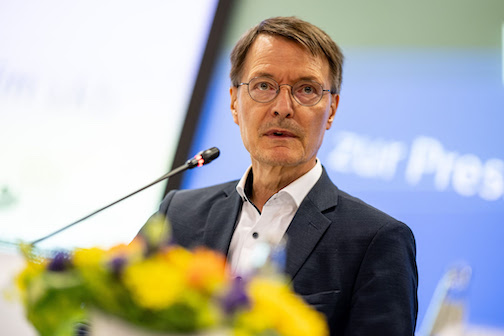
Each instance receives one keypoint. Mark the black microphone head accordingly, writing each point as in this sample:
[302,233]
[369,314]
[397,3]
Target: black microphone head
[210,154]
[203,157]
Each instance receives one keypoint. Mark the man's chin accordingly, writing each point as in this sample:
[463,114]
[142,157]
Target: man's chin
[279,158]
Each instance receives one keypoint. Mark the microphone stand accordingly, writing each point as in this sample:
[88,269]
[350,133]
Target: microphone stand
[200,159]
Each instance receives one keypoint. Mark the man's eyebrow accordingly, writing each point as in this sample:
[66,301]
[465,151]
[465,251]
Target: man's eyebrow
[263,74]
[310,78]
[269,75]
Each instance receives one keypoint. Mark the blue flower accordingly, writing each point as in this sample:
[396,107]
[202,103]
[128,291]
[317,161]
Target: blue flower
[60,262]
[236,297]
[117,265]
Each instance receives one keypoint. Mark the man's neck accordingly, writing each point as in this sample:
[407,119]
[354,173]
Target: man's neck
[268,180]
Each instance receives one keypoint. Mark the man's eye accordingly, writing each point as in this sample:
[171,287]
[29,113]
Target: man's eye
[263,86]
[308,89]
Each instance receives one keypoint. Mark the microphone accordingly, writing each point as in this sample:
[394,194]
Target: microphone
[200,159]
[204,157]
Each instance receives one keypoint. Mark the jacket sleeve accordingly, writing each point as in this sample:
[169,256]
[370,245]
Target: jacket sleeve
[163,210]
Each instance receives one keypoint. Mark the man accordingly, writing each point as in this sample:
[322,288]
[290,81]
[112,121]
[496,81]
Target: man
[350,261]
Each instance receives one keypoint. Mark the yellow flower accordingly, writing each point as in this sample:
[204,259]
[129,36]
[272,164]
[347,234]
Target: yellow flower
[207,270]
[177,257]
[134,249]
[156,232]
[87,258]
[31,271]
[153,283]
[276,307]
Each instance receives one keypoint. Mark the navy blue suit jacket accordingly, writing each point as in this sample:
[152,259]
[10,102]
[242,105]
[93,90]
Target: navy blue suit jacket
[350,261]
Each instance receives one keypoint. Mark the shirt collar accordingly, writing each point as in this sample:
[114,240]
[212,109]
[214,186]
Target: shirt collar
[240,187]
[297,189]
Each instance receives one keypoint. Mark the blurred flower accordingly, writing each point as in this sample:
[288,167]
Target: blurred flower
[207,270]
[153,284]
[60,262]
[160,286]
[32,269]
[236,297]
[88,258]
[274,307]
[156,233]
[117,265]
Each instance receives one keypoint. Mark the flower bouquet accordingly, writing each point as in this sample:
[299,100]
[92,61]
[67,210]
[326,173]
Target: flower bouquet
[157,287]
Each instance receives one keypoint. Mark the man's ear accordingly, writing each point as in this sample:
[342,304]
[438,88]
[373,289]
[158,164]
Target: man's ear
[233,92]
[333,108]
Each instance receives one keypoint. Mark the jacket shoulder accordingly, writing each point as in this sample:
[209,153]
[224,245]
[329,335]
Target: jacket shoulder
[361,211]
[188,201]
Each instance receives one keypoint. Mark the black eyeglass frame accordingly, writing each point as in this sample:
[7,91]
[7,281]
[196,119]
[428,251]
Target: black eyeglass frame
[291,90]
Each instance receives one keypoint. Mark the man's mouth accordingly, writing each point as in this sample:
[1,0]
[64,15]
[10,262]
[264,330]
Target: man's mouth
[280,134]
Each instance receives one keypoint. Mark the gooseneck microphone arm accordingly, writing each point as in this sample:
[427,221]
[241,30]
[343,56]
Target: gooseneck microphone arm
[199,160]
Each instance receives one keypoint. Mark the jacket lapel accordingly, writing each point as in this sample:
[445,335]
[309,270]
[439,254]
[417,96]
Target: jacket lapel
[309,223]
[222,220]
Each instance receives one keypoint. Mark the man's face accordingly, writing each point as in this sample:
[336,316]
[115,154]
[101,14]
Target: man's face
[283,132]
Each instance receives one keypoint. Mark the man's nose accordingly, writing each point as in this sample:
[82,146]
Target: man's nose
[284,102]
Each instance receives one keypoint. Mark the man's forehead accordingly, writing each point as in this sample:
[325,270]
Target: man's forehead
[270,54]
[268,44]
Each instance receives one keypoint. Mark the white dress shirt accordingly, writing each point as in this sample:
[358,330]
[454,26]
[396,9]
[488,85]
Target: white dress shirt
[255,228]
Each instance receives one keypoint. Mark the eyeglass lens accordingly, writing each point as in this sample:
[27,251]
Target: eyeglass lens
[264,89]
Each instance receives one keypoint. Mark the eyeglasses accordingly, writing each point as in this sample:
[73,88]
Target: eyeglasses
[265,89]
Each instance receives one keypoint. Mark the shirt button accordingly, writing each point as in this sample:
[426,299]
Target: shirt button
[255,235]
